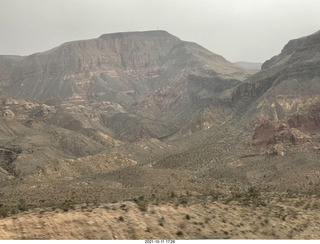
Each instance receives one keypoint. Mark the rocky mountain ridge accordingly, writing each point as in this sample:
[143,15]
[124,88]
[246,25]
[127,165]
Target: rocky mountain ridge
[154,82]
[137,115]
[272,135]
[287,82]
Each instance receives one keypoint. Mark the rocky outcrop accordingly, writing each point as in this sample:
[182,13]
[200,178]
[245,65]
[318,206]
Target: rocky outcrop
[300,130]
[80,68]
[8,114]
[93,95]
[7,157]
[286,83]
[267,133]
[128,63]
[308,122]
[264,132]
[155,81]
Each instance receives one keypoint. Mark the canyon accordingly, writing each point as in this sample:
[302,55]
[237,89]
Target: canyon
[145,115]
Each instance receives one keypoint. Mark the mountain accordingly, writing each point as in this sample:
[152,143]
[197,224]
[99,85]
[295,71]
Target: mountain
[272,137]
[133,63]
[153,82]
[88,97]
[286,83]
[149,118]
[202,111]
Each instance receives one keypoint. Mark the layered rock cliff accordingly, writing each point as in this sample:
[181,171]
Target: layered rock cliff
[154,82]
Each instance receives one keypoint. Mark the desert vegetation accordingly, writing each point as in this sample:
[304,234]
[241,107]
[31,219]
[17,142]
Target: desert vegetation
[237,213]
[141,135]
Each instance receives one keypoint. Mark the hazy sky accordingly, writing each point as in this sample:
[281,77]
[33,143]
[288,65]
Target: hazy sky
[249,30]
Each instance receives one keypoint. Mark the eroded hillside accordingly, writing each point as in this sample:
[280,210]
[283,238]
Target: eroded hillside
[146,117]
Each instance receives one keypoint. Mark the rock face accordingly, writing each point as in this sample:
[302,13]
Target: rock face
[307,121]
[154,82]
[286,83]
[34,134]
[275,139]
[122,117]
[284,98]
[7,156]
[112,62]
[266,133]
[86,98]
[297,130]
[126,63]
[272,133]
[79,99]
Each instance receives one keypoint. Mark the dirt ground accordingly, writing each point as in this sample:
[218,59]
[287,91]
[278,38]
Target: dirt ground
[211,220]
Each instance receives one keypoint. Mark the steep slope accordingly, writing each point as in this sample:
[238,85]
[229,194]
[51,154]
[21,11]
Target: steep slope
[118,62]
[262,136]
[66,107]
[78,69]
[153,81]
[272,140]
[32,135]
[286,83]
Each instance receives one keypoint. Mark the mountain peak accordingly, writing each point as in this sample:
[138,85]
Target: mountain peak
[303,48]
[149,34]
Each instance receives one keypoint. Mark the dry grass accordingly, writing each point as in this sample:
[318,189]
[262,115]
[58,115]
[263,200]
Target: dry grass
[142,219]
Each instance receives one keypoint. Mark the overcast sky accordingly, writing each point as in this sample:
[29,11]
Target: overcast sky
[249,30]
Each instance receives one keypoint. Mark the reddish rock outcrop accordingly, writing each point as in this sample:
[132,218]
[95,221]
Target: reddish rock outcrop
[264,132]
[308,122]
[296,131]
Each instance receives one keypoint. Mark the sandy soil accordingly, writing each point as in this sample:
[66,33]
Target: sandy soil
[125,220]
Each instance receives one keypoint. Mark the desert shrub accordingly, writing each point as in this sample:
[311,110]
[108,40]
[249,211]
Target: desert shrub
[142,203]
[246,196]
[66,205]
[22,206]
[179,233]
[4,211]
[215,195]
[161,221]
[316,206]
[291,194]
[183,200]
[253,192]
